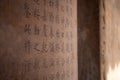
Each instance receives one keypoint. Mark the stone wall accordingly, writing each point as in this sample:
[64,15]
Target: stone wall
[110,39]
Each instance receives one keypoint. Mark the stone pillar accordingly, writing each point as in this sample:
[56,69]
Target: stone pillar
[88,40]
[38,40]
[110,39]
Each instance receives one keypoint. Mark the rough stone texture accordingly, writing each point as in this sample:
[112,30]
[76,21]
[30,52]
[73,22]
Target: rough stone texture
[88,40]
[110,39]
[38,40]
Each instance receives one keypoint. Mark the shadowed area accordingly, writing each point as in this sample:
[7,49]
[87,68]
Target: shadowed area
[88,40]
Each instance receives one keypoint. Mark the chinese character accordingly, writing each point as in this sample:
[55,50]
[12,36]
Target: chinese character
[36,30]
[44,47]
[37,13]
[37,1]
[36,47]
[27,10]
[27,46]
[27,29]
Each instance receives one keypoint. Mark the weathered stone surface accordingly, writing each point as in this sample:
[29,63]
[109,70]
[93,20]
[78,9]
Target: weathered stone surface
[110,39]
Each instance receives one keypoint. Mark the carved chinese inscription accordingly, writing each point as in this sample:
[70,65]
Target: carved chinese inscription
[42,42]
